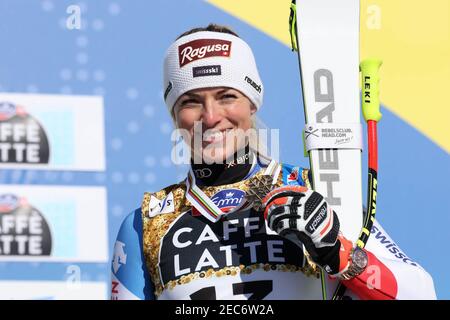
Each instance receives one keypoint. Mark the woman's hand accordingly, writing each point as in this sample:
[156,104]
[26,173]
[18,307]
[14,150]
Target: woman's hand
[299,214]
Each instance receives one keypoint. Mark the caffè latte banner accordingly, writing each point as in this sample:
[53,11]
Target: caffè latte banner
[52,132]
[53,224]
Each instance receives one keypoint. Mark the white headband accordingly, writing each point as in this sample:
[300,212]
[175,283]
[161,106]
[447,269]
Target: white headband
[210,59]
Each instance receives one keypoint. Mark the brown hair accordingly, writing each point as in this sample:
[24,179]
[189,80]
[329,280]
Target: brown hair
[211,27]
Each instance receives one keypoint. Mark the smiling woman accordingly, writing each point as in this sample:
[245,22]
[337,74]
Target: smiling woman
[209,92]
[241,225]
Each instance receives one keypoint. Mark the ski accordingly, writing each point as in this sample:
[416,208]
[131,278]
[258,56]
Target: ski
[326,36]
[328,49]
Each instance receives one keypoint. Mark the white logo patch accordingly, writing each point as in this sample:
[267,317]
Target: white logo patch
[157,206]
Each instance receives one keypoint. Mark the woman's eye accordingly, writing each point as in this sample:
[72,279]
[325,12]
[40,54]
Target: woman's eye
[189,102]
[229,96]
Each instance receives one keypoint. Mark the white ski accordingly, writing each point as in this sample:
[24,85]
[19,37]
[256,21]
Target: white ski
[328,44]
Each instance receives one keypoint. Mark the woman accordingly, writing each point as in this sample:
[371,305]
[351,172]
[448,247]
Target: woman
[235,228]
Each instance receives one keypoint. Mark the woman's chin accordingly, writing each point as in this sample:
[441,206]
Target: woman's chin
[218,152]
[211,154]
[214,155]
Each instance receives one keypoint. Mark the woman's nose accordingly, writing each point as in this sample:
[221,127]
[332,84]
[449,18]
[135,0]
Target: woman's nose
[211,113]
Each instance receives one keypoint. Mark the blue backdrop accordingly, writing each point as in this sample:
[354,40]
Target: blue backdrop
[118,53]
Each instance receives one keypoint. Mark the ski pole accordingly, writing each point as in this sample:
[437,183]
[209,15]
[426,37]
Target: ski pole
[371,112]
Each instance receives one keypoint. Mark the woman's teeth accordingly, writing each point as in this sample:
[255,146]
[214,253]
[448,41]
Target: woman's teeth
[213,136]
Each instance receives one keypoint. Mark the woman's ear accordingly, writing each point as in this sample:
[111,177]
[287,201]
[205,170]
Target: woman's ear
[253,109]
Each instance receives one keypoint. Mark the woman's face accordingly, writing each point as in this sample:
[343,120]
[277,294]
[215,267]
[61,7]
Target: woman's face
[218,116]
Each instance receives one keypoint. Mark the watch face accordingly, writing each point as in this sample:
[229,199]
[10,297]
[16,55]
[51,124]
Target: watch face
[360,258]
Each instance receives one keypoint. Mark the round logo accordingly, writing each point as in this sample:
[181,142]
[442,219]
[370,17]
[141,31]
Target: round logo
[228,199]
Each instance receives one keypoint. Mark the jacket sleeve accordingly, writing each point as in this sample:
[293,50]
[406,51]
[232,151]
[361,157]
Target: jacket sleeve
[390,274]
[130,279]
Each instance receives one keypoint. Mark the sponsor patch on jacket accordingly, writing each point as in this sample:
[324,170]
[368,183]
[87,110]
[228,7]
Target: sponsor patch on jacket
[228,199]
[157,206]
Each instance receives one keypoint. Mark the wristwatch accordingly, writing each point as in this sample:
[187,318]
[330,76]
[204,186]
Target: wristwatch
[358,263]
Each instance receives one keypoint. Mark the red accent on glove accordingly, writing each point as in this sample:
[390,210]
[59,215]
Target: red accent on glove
[377,282]
[329,225]
[279,201]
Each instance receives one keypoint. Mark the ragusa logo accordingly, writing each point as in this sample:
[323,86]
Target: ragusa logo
[203,48]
